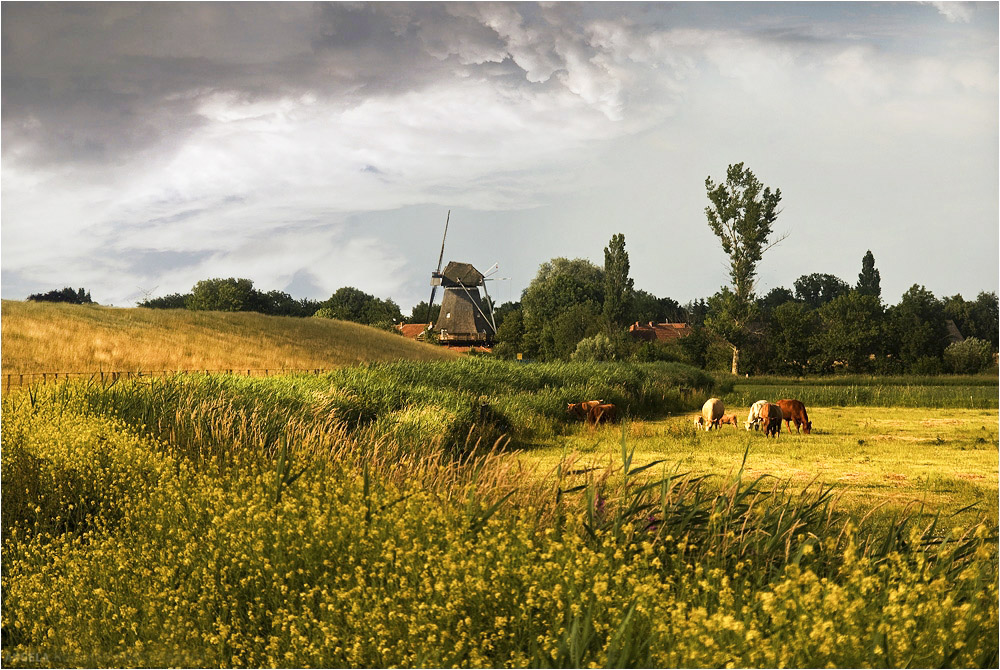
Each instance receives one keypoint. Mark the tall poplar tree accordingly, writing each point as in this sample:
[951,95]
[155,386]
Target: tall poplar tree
[617,284]
[869,281]
[741,213]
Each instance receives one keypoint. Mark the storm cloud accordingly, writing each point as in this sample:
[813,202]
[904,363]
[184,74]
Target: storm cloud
[302,145]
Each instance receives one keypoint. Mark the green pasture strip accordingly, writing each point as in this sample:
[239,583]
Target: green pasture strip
[872,380]
[814,392]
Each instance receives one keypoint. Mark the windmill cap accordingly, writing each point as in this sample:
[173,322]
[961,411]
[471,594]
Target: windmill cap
[463,273]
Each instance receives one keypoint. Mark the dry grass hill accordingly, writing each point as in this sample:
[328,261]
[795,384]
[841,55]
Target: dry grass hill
[57,337]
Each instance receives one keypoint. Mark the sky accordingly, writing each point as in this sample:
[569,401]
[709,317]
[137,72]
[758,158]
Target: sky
[309,147]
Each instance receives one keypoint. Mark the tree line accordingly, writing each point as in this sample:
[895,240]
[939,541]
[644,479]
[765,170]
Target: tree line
[575,309]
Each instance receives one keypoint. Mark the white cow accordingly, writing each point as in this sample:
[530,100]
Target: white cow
[711,413]
[753,418]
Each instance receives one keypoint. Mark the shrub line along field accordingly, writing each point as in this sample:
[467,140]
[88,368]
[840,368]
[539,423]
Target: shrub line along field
[400,514]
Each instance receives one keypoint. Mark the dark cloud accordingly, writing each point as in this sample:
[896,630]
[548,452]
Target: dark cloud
[98,82]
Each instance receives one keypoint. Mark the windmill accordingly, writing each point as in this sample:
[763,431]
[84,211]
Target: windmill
[465,317]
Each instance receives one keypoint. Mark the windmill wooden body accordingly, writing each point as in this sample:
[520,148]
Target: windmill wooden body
[466,316]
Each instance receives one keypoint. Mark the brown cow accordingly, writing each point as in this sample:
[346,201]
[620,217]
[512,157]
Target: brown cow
[712,412]
[793,410]
[730,419]
[581,410]
[606,413]
[770,416]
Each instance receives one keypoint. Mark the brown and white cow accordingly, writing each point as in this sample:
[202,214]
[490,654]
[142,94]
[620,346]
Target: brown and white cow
[753,418]
[793,410]
[770,417]
[712,412]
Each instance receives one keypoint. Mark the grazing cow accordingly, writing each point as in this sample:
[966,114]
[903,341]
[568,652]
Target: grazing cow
[793,410]
[581,410]
[771,416]
[753,418]
[712,412]
[730,419]
[606,413]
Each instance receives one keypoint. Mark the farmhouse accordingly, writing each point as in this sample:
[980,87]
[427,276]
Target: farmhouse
[658,332]
[413,331]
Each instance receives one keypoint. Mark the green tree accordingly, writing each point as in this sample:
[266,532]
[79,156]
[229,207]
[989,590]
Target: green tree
[817,289]
[348,304]
[975,318]
[848,331]
[775,297]
[420,313]
[510,334]
[917,327]
[647,307]
[560,286]
[696,311]
[172,301]
[741,214]
[870,280]
[382,313]
[601,347]
[969,356]
[793,328]
[222,295]
[618,286]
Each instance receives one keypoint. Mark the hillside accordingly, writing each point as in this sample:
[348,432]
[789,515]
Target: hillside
[58,337]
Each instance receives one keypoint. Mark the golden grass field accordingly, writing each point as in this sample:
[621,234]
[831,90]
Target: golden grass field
[55,337]
[876,458]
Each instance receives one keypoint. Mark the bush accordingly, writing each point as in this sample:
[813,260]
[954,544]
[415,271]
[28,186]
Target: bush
[969,356]
[600,347]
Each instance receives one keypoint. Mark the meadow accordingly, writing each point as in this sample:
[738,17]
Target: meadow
[453,514]
[57,337]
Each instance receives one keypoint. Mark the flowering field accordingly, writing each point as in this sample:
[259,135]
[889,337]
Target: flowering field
[352,520]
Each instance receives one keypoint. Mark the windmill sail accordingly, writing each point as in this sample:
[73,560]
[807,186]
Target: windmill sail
[430,303]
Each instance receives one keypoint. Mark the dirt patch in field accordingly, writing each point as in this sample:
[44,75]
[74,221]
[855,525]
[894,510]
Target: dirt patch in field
[970,475]
[942,422]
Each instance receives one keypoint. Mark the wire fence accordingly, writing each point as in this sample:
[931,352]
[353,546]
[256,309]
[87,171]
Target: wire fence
[104,377]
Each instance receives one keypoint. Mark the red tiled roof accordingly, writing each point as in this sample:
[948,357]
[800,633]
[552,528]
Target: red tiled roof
[412,330]
[661,332]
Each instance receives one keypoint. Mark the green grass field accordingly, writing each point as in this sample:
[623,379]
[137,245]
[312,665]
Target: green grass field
[453,514]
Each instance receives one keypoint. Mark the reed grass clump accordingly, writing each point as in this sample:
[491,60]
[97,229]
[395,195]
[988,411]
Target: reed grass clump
[458,404]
